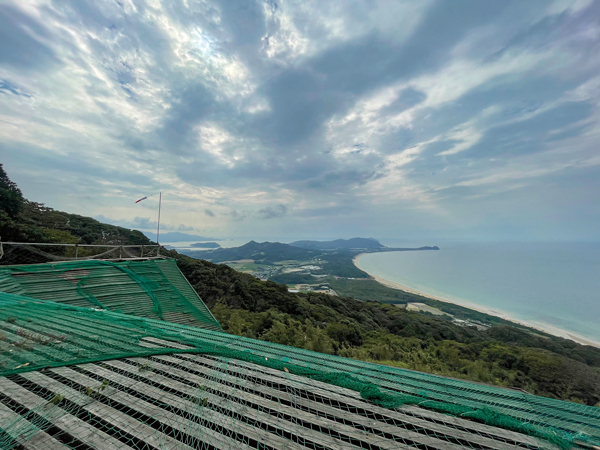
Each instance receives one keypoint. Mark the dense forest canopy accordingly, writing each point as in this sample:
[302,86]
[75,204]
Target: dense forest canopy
[11,197]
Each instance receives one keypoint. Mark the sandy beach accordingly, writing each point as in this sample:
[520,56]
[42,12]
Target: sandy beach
[546,328]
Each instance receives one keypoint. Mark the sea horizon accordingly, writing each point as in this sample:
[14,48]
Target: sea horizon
[503,279]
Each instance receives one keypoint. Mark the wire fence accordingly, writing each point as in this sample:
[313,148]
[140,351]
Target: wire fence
[13,253]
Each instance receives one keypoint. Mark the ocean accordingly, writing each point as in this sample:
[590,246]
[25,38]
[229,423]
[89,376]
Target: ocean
[547,285]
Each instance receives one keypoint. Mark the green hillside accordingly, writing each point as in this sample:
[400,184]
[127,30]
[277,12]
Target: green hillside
[22,220]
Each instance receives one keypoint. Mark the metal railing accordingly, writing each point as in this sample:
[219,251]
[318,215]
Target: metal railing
[38,252]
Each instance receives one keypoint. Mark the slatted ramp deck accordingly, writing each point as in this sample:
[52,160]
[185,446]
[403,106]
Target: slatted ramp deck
[83,378]
[184,401]
[154,288]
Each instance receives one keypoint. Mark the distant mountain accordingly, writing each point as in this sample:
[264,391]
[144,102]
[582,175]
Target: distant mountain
[340,244]
[267,252]
[176,236]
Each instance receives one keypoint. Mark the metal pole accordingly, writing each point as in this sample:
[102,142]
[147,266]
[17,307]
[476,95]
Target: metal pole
[158,228]
[76,250]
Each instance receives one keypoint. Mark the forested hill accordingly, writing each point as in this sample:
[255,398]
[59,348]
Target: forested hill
[266,252]
[22,220]
[338,263]
[503,355]
[340,244]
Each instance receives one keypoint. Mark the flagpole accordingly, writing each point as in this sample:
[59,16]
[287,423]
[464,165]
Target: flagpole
[158,228]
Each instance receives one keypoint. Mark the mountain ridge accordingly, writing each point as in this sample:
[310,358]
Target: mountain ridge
[339,244]
[264,251]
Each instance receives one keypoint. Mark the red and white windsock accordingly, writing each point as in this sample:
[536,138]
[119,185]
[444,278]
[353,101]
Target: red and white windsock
[143,198]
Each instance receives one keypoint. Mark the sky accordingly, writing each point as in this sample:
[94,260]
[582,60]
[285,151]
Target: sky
[283,120]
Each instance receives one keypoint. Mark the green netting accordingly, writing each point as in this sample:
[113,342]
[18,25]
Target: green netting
[198,387]
[155,288]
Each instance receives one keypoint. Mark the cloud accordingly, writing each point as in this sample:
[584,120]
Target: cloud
[236,216]
[9,87]
[138,222]
[271,212]
[144,222]
[24,41]
[141,223]
[404,111]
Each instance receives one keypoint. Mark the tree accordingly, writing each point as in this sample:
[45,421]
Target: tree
[11,197]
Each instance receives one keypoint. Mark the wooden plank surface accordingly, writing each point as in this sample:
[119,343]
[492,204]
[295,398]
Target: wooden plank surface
[259,403]
[25,433]
[60,418]
[401,435]
[343,394]
[116,418]
[182,402]
[353,398]
[503,438]
[302,392]
[301,395]
[312,417]
[532,409]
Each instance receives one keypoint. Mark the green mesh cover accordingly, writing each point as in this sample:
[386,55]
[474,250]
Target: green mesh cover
[155,288]
[38,335]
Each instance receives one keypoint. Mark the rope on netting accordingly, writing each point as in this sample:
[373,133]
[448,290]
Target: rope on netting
[128,253]
[393,400]
[191,308]
[8,252]
[148,286]
[56,258]
[108,252]
[117,252]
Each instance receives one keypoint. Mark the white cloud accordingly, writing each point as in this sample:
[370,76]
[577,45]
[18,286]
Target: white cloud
[587,91]
[138,92]
[467,135]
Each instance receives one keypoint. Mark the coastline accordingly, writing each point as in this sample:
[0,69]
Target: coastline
[540,326]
